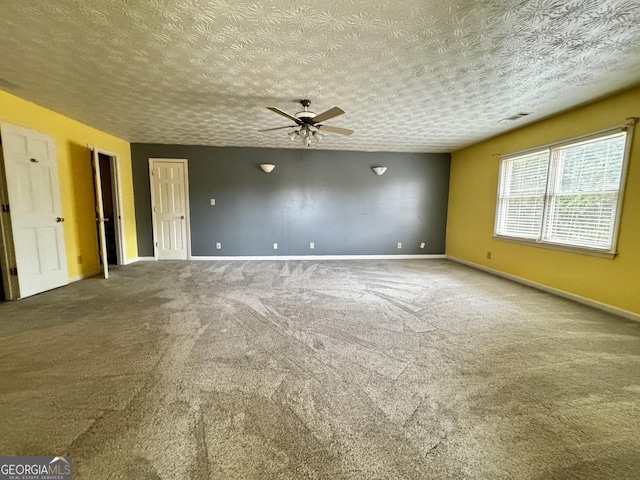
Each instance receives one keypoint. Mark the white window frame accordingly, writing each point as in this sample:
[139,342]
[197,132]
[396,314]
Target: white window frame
[540,241]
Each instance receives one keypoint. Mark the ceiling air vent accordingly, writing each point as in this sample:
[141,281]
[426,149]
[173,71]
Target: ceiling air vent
[517,116]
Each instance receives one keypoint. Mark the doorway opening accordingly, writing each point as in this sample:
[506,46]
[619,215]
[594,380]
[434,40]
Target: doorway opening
[108,205]
[110,233]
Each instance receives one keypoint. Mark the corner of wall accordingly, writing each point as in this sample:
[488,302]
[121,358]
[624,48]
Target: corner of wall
[472,203]
[76,179]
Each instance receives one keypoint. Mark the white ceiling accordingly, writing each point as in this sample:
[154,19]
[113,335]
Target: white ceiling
[412,75]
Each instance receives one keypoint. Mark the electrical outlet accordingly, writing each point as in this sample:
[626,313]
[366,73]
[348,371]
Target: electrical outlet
[213,201]
[422,245]
[275,246]
[218,245]
[488,255]
[399,244]
[312,245]
[79,259]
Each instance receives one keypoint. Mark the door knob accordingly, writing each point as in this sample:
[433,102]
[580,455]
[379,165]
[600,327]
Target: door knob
[59,219]
[182,217]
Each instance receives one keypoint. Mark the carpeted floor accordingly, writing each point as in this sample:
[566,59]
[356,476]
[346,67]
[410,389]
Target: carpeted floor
[306,369]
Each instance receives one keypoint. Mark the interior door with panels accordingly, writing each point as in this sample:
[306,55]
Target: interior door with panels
[170,209]
[31,173]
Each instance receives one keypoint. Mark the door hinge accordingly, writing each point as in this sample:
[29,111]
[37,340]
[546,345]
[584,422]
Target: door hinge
[156,244]
[14,271]
[5,208]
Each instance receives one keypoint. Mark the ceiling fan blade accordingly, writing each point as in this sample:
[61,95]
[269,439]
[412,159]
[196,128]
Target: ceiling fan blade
[284,114]
[277,128]
[332,112]
[341,131]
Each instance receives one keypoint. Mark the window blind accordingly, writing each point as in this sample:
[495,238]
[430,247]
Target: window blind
[523,183]
[583,194]
[566,194]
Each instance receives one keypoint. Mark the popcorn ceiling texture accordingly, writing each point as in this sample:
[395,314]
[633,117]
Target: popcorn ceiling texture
[418,75]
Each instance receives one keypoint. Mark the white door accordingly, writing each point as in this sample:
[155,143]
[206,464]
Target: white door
[36,213]
[169,201]
[102,236]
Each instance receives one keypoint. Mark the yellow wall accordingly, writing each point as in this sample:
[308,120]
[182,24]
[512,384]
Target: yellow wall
[472,204]
[76,180]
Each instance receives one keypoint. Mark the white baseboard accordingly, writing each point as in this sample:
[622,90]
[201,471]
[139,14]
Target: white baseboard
[77,278]
[129,261]
[145,259]
[556,291]
[321,257]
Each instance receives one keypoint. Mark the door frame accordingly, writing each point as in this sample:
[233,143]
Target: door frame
[152,162]
[10,284]
[116,194]
[99,210]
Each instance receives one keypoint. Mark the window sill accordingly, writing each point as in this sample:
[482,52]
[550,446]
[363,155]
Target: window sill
[556,246]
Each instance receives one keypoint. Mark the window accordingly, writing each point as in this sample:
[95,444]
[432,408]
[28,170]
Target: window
[566,194]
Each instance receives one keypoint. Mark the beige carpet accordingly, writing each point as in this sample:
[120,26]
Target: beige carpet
[305,369]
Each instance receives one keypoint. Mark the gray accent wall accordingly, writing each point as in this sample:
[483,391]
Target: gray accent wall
[331,198]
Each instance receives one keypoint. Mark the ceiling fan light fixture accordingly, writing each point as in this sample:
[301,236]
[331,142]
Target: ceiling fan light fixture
[317,136]
[293,135]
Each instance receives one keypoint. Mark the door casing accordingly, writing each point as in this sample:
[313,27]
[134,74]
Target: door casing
[7,253]
[116,194]
[152,163]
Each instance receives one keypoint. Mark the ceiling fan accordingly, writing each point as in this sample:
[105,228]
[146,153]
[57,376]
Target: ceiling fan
[308,125]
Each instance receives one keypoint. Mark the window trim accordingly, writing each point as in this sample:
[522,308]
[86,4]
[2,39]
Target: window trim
[600,252]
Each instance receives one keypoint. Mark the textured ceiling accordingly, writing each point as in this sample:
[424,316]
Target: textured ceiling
[412,75]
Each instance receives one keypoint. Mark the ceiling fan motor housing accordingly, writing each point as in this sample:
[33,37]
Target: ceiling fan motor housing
[306,116]
[309,123]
